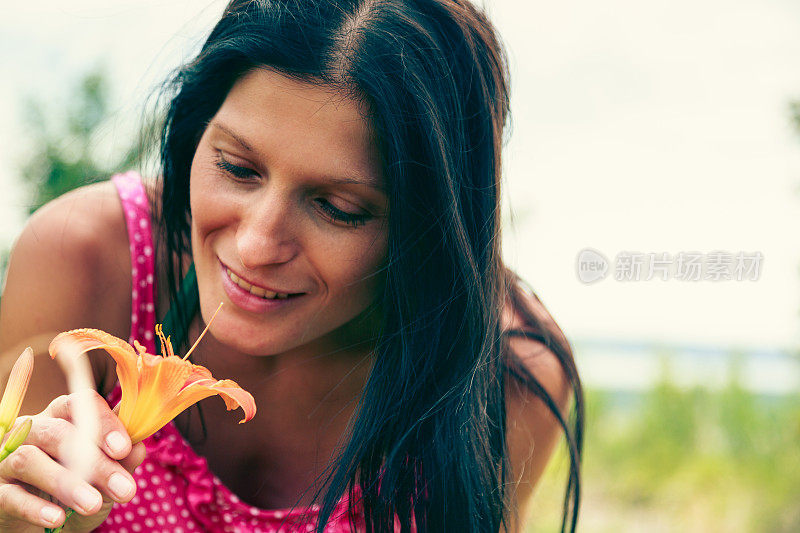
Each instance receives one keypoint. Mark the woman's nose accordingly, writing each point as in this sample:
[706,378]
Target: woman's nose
[267,233]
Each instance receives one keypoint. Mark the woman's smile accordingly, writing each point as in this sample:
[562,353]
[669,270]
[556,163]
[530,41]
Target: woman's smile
[251,297]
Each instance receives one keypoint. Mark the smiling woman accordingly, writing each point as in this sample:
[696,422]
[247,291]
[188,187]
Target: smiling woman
[331,174]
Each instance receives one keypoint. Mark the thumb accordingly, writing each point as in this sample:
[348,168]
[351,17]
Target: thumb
[76,522]
[135,458]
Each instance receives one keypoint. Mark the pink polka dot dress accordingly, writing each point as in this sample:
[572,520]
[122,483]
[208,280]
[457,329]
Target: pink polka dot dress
[177,492]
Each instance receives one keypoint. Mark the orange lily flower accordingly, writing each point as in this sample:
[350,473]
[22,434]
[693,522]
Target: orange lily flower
[155,389]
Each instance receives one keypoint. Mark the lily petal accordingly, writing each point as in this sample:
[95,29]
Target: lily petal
[160,378]
[233,395]
[123,353]
[198,372]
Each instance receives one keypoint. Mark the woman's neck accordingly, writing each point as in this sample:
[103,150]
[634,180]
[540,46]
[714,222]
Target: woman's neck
[316,373]
[305,404]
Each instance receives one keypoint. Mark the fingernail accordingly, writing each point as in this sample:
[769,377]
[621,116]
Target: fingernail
[120,486]
[87,498]
[50,514]
[115,442]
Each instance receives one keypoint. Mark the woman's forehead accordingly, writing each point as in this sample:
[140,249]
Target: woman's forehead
[270,88]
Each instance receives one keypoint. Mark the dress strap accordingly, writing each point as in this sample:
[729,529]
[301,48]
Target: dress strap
[136,209]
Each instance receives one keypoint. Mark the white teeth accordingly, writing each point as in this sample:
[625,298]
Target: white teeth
[257,291]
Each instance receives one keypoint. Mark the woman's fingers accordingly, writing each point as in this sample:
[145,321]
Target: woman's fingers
[113,438]
[52,435]
[42,466]
[28,464]
[135,458]
[16,503]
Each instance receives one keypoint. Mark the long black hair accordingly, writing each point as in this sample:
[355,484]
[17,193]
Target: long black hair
[427,443]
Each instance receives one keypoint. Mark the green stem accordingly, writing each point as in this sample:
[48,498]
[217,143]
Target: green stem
[59,528]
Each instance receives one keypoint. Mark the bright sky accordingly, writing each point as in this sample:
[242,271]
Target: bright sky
[637,126]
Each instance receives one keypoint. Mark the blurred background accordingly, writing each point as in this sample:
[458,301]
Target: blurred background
[638,127]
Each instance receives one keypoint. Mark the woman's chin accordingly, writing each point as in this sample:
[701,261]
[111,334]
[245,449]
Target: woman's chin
[256,348]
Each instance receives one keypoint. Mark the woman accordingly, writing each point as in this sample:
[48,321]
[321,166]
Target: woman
[330,172]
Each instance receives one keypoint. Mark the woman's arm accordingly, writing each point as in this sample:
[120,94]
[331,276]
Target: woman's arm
[69,269]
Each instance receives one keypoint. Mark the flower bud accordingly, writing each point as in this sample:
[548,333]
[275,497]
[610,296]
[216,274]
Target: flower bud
[16,438]
[15,390]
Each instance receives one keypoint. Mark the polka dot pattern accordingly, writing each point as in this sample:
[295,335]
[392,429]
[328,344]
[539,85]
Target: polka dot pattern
[176,491]
[143,288]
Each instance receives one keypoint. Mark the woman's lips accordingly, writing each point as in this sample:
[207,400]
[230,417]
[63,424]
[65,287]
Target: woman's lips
[249,301]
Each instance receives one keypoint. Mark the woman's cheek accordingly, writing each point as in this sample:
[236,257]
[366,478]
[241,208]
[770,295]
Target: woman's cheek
[369,255]
[212,204]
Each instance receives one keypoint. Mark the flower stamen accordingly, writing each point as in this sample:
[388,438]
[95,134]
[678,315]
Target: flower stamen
[166,346]
[204,332]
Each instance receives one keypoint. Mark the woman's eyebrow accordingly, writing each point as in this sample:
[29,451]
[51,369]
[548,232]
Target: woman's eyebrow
[368,181]
[235,137]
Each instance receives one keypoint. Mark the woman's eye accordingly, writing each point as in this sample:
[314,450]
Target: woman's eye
[234,170]
[352,219]
[331,211]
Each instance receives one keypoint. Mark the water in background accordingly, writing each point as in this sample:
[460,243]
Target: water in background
[633,367]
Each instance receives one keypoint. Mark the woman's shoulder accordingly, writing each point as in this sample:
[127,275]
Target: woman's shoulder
[69,268]
[526,346]
[85,213]
[532,429]
[80,239]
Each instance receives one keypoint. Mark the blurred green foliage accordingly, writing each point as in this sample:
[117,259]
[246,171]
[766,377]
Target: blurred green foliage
[65,144]
[684,460]
[65,155]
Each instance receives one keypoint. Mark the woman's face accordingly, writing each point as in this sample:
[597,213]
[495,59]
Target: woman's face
[287,197]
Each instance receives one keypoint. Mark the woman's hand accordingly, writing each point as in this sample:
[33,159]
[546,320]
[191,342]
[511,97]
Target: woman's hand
[36,471]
